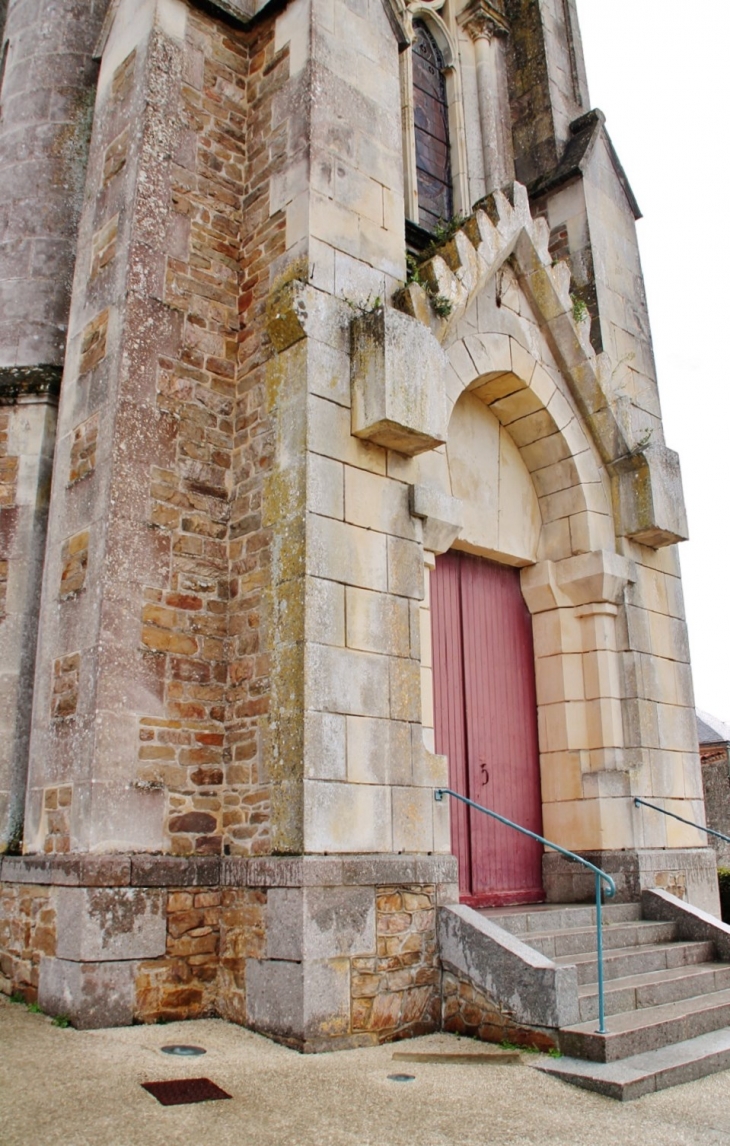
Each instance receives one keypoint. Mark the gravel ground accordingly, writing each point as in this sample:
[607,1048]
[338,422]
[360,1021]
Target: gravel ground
[82,1088]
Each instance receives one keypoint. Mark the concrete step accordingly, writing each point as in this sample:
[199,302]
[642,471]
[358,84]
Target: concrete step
[653,988]
[558,917]
[582,940]
[621,961]
[644,1073]
[648,1029]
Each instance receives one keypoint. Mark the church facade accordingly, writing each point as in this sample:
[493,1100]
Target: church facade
[333,474]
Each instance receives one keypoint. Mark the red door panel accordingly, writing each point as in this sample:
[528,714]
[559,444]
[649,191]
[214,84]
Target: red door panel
[486,722]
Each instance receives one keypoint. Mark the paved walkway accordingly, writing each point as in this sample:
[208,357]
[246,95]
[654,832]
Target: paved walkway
[82,1088]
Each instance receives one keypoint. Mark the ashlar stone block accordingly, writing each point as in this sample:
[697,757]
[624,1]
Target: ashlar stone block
[342,680]
[275,997]
[284,907]
[325,751]
[338,921]
[398,376]
[107,924]
[413,819]
[91,995]
[377,622]
[346,817]
[378,751]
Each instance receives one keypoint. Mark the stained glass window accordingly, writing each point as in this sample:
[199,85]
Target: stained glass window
[433,167]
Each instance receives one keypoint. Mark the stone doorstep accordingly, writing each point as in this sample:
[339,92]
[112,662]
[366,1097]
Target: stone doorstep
[543,917]
[633,960]
[650,1028]
[652,988]
[143,870]
[582,940]
[667,994]
[641,1074]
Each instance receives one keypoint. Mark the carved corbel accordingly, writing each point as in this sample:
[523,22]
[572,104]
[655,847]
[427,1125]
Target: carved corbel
[441,516]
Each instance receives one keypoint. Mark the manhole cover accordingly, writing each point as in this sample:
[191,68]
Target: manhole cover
[181,1049]
[401,1077]
[179,1091]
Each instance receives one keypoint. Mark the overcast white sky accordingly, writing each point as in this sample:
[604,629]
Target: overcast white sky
[660,71]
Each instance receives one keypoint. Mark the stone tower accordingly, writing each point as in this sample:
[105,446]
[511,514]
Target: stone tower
[336,286]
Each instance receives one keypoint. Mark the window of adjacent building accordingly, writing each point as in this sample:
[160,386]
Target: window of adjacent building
[431,125]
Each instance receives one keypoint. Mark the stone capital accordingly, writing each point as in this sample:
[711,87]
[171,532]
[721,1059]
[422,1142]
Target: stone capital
[483,21]
[586,580]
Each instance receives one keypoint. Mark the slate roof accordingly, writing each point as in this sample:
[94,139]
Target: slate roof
[710,730]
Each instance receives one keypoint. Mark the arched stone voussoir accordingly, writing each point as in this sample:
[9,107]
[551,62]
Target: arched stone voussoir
[549,436]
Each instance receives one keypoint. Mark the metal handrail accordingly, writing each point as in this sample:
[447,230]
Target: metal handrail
[692,824]
[610,885]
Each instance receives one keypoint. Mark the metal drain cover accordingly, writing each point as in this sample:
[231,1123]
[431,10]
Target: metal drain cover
[401,1077]
[180,1091]
[182,1049]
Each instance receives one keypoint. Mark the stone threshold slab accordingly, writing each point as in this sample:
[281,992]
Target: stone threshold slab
[500,1056]
[631,1078]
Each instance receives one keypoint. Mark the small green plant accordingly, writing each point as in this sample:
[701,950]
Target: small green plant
[370,305]
[555,1053]
[34,1009]
[413,270]
[444,230]
[62,1021]
[580,310]
[442,305]
[16,997]
[643,440]
[526,1049]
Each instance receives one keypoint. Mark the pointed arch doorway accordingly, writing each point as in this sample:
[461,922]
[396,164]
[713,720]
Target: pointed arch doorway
[485,716]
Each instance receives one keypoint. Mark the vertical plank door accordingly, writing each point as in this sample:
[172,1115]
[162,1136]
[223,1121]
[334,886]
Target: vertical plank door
[486,722]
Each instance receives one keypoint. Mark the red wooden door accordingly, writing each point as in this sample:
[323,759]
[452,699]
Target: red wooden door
[486,723]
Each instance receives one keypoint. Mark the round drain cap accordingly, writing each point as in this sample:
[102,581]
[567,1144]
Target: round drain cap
[181,1049]
[401,1077]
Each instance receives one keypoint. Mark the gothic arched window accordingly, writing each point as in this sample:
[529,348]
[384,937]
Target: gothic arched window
[431,124]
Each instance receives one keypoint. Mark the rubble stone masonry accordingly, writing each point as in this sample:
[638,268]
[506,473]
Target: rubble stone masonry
[173,520]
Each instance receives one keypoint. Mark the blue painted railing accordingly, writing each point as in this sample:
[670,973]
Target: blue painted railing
[692,824]
[599,874]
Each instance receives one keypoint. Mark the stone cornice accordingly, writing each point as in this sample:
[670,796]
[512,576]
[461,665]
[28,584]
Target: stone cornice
[25,383]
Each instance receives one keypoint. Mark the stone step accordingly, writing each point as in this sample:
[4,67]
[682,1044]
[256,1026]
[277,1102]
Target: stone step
[641,1074]
[558,917]
[635,1032]
[619,962]
[582,940]
[634,992]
